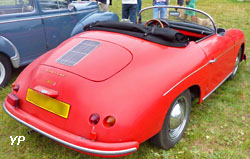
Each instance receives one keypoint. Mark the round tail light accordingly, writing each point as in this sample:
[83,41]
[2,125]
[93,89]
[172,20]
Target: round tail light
[109,121]
[15,87]
[94,119]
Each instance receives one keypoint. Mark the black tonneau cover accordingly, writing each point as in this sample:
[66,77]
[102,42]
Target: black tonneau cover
[163,36]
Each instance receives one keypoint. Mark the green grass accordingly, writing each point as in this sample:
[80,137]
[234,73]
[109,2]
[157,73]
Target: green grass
[7,2]
[218,128]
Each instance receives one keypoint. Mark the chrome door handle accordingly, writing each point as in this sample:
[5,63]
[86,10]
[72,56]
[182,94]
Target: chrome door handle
[213,61]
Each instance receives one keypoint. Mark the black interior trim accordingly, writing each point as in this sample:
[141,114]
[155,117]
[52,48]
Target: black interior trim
[163,36]
[192,28]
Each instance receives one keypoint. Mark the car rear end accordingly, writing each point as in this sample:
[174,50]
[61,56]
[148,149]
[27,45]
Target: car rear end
[57,98]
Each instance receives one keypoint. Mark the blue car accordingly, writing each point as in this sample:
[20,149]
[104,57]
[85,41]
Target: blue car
[29,28]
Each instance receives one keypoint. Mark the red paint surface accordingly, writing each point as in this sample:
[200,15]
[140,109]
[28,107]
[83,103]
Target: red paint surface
[125,77]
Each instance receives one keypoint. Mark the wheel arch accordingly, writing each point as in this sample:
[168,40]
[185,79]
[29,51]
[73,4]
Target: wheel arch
[6,55]
[160,139]
[195,91]
[243,57]
[94,17]
[8,49]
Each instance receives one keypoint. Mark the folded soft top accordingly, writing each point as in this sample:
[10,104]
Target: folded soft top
[163,36]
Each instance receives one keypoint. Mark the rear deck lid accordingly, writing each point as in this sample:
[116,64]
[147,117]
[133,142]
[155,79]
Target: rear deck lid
[95,60]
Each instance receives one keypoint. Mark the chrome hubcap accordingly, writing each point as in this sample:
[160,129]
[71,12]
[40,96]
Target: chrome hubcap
[2,72]
[178,117]
[236,66]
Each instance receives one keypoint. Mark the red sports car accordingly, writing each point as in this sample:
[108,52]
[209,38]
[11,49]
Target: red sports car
[116,85]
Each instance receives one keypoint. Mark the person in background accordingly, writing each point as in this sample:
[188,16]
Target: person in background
[138,6]
[104,4]
[181,4]
[129,9]
[163,11]
[190,4]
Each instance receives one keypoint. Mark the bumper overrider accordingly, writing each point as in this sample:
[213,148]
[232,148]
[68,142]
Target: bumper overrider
[71,140]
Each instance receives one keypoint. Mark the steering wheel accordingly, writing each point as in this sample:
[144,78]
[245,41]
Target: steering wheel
[154,23]
[165,23]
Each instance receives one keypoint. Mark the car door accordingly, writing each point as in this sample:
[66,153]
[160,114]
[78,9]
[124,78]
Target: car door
[58,21]
[220,52]
[20,23]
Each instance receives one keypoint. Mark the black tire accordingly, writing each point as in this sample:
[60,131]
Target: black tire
[168,137]
[5,70]
[236,65]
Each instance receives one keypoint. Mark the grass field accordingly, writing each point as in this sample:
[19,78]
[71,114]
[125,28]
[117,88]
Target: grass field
[218,128]
[7,2]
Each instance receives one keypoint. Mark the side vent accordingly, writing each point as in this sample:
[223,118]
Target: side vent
[76,54]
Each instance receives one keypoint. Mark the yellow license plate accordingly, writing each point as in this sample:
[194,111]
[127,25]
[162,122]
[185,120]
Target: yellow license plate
[50,104]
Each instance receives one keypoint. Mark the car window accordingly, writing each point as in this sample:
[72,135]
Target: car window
[53,4]
[16,6]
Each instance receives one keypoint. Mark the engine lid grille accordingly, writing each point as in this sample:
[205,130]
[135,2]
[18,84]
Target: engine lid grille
[77,53]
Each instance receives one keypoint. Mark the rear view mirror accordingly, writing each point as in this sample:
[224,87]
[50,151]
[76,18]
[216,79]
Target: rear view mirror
[174,13]
[221,31]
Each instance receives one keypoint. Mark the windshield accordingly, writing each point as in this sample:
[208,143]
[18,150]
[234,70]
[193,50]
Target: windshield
[178,17]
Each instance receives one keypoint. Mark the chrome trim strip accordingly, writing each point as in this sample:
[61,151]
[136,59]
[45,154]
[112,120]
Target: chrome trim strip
[77,12]
[20,20]
[211,61]
[204,38]
[216,87]
[225,52]
[184,79]
[239,42]
[20,13]
[84,149]
[15,60]
[44,17]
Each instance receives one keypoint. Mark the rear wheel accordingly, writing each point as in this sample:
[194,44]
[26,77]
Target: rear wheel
[236,64]
[175,122]
[5,70]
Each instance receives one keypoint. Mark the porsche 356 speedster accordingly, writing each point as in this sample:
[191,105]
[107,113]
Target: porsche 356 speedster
[116,85]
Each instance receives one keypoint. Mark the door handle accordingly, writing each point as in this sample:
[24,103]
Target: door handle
[213,61]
